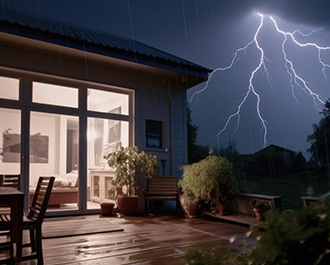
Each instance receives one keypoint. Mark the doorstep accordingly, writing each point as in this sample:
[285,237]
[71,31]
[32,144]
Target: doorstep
[241,219]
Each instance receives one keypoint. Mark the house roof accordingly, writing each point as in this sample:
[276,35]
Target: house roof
[271,147]
[77,37]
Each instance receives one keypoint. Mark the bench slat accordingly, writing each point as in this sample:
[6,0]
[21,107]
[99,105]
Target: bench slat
[161,188]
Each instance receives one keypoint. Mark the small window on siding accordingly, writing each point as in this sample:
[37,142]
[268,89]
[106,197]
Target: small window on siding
[154,133]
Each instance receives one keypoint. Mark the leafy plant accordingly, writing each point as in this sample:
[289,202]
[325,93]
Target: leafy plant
[210,179]
[202,256]
[310,191]
[291,237]
[128,161]
[260,204]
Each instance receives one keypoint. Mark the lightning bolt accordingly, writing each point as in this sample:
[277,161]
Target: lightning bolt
[294,77]
[296,81]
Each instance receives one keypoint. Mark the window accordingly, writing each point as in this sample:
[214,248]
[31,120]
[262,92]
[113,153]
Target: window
[9,88]
[55,95]
[107,101]
[154,133]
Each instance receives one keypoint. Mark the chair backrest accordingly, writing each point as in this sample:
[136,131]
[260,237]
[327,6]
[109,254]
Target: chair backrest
[40,200]
[12,181]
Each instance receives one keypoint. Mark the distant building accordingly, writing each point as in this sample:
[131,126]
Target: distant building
[272,160]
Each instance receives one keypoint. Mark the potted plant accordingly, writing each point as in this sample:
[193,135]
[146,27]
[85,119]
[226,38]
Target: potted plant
[189,199]
[210,179]
[259,208]
[127,162]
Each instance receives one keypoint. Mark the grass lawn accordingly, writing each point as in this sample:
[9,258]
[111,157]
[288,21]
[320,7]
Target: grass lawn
[290,189]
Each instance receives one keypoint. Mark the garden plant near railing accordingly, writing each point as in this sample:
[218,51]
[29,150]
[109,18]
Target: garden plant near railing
[291,237]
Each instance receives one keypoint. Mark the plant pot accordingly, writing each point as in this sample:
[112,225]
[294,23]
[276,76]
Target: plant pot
[189,207]
[222,208]
[127,204]
[107,208]
[260,213]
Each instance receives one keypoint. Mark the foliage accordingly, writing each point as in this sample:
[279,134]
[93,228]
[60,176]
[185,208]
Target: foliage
[291,237]
[319,139]
[195,152]
[210,176]
[203,256]
[310,191]
[256,204]
[128,161]
[231,153]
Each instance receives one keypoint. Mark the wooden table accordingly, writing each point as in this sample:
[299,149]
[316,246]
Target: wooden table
[14,199]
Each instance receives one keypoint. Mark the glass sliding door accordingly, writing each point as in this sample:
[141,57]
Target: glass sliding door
[56,124]
[104,135]
[54,150]
[54,144]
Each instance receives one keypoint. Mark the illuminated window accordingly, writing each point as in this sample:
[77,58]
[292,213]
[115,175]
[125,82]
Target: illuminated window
[154,133]
[9,88]
[55,95]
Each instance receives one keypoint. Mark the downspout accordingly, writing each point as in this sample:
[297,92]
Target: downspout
[171,127]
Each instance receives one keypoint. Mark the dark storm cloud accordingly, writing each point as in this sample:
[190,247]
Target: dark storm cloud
[306,12]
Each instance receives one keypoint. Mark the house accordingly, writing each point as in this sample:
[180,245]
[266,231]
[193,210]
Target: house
[69,95]
[272,161]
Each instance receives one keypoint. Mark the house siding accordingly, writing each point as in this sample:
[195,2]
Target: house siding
[158,94]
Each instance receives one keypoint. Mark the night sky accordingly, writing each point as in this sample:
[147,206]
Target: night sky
[208,32]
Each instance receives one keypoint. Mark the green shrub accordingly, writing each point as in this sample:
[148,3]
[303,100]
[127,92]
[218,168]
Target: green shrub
[291,237]
[210,179]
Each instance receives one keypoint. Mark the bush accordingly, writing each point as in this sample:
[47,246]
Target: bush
[210,179]
[291,237]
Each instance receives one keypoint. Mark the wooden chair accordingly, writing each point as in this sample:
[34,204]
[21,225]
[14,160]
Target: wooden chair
[9,181]
[12,181]
[34,218]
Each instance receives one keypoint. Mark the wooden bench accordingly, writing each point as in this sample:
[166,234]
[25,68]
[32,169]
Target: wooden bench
[161,188]
[309,201]
[242,202]
[243,212]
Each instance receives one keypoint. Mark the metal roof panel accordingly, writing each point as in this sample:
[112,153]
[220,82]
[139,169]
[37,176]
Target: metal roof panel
[88,35]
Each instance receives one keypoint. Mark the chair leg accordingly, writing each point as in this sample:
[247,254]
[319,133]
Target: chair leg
[145,206]
[7,246]
[32,240]
[39,245]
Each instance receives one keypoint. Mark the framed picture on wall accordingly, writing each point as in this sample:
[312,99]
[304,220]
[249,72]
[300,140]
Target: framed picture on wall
[114,134]
[39,146]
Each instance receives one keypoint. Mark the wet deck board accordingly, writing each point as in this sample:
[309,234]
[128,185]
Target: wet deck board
[240,219]
[144,240]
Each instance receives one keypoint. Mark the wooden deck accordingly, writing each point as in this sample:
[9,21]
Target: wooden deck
[157,239]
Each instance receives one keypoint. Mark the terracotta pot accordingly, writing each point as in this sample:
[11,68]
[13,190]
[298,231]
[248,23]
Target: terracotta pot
[127,205]
[107,208]
[222,208]
[260,214]
[189,208]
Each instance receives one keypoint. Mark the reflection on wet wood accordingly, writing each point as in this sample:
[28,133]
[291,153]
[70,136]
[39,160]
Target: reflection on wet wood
[162,239]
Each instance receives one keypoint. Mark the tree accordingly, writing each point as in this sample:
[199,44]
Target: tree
[319,139]
[195,152]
